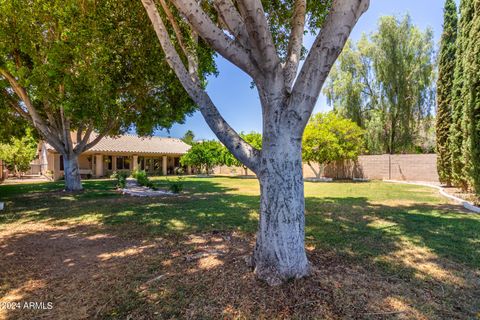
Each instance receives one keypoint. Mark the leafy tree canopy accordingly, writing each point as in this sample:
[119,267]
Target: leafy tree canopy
[189,137]
[13,125]
[94,63]
[330,137]
[206,154]
[385,83]
[19,153]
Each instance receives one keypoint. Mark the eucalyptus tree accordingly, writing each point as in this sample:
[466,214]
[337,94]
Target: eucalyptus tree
[446,70]
[385,83]
[89,67]
[350,87]
[404,67]
[265,40]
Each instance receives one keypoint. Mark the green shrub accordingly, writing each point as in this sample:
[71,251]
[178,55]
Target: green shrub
[121,177]
[176,186]
[179,171]
[142,178]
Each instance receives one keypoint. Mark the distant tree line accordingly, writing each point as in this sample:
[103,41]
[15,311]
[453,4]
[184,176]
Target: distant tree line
[458,120]
[386,84]
[328,138]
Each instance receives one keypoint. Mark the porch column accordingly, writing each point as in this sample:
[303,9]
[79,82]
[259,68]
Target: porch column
[189,169]
[135,163]
[114,163]
[164,165]
[99,166]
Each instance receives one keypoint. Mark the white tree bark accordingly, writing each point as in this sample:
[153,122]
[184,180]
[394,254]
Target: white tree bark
[279,252]
[295,43]
[286,107]
[72,173]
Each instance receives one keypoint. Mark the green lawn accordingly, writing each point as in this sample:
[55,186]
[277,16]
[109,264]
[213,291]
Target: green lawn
[401,231]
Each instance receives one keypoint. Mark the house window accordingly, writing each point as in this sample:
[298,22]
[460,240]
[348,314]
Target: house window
[61,163]
[123,163]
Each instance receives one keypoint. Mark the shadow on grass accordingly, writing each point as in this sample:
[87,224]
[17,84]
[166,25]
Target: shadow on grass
[345,231]
[348,224]
[357,225]
[89,271]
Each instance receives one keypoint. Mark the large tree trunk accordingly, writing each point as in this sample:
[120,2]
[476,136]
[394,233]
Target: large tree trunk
[280,251]
[72,173]
[288,98]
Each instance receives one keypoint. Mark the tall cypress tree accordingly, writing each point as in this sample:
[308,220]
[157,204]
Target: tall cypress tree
[446,70]
[472,71]
[459,130]
[467,170]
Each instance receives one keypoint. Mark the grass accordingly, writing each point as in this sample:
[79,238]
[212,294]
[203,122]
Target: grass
[375,247]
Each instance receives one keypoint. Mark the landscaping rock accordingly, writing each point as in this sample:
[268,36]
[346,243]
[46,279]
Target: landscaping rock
[323,179]
[132,188]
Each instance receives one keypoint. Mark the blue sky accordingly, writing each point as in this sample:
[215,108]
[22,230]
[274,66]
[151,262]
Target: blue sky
[239,104]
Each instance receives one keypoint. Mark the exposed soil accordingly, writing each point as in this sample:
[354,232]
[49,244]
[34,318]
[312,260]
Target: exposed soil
[89,272]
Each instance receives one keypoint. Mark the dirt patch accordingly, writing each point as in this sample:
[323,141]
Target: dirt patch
[90,272]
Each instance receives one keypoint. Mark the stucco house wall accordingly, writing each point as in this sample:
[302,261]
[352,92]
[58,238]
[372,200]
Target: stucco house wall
[155,155]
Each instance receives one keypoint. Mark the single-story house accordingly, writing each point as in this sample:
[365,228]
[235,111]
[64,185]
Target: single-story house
[156,155]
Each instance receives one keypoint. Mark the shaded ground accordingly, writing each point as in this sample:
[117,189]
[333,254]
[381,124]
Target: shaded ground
[378,251]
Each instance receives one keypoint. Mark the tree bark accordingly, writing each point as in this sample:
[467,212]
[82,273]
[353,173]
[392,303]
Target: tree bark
[279,253]
[71,171]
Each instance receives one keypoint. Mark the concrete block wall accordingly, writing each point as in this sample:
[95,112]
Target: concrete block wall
[413,167]
[407,167]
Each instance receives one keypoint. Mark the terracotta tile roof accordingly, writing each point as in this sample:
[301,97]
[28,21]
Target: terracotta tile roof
[135,144]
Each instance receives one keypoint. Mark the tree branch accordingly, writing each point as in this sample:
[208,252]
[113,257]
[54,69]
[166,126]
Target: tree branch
[343,16]
[66,132]
[79,133]
[295,43]
[241,149]
[233,20]
[260,37]
[82,141]
[14,105]
[213,35]
[37,121]
[99,137]
[191,56]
